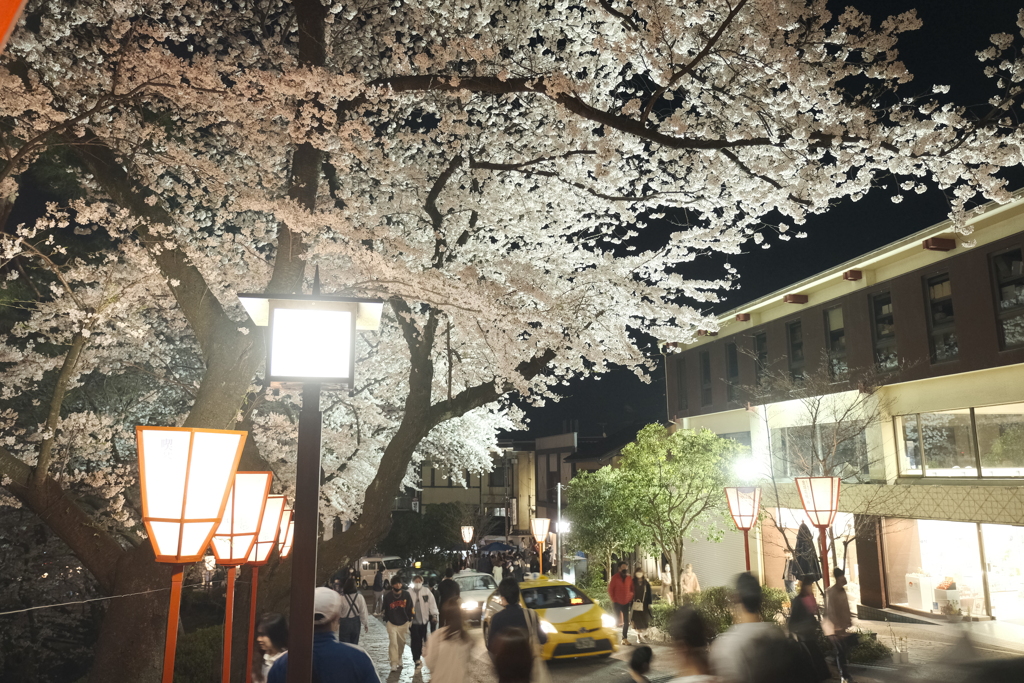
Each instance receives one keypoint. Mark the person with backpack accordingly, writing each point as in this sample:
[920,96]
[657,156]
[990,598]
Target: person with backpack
[353,613]
[426,614]
[378,591]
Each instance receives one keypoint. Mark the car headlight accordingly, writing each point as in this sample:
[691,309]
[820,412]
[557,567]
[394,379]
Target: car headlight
[470,604]
[547,626]
[608,621]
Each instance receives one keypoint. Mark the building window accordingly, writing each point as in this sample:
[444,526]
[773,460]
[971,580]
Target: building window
[681,397]
[1008,268]
[884,330]
[940,318]
[705,378]
[497,478]
[732,373]
[760,357]
[831,449]
[835,340]
[795,336]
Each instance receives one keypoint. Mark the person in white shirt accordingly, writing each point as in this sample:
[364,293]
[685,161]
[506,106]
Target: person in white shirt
[425,614]
[353,613]
[837,611]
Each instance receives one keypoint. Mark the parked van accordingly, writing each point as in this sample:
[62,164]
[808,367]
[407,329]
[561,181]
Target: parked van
[368,567]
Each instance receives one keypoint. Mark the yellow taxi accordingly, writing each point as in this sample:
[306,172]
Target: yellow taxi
[575,625]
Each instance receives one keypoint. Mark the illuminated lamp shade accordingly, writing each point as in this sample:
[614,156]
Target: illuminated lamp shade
[540,526]
[185,477]
[820,498]
[312,338]
[266,539]
[744,505]
[467,534]
[236,533]
[284,536]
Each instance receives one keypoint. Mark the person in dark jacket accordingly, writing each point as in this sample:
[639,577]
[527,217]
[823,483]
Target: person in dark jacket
[448,589]
[643,596]
[398,612]
[803,624]
[378,591]
[513,616]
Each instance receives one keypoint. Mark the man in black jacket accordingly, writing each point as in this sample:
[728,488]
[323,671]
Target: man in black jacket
[513,616]
[398,611]
[448,589]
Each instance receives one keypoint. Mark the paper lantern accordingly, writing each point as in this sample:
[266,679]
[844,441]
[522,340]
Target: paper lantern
[744,505]
[820,498]
[467,534]
[236,534]
[287,530]
[270,528]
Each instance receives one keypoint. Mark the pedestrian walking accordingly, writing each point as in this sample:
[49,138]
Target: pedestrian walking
[484,565]
[837,612]
[514,657]
[804,626]
[448,589]
[519,571]
[641,609]
[353,613]
[789,572]
[666,584]
[378,591]
[752,651]
[333,662]
[690,637]
[514,616]
[499,570]
[448,651]
[620,590]
[425,615]
[398,613]
[688,582]
[272,639]
[640,664]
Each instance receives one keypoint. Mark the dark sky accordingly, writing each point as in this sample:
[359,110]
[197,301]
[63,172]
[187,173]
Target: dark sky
[941,52]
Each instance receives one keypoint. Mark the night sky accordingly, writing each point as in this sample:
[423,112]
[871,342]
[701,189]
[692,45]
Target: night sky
[941,52]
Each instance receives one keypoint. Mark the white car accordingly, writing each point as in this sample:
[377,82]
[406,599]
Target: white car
[368,568]
[475,588]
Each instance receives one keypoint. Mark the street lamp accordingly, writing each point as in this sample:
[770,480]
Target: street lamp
[820,498]
[744,506]
[286,535]
[185,478]
[311,341]
[235,538]
[266,539]
[540,526]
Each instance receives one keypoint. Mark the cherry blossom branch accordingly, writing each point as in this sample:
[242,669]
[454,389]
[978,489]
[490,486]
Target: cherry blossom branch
[60,389]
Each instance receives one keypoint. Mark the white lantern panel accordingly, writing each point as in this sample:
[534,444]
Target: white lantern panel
[282,536]
[194,538]
[165,459]
[271,519]
[213,455]
[540,528]
[311,343]
[164,537]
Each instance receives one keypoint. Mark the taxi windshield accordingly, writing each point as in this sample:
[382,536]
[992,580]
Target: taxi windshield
[546,597]
[481,582]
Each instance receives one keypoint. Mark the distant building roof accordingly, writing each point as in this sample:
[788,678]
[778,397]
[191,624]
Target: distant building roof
[608,447]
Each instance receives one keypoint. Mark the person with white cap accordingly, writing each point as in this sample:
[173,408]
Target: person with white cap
[333,662]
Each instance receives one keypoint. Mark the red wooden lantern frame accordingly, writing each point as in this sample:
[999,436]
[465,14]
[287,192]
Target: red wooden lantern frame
[744,507]
[820,498]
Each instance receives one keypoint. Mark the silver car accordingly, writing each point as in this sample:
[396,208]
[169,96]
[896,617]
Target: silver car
[475,588]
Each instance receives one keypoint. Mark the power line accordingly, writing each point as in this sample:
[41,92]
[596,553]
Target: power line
[82,602]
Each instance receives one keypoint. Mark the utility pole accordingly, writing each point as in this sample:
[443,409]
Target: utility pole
[558,531]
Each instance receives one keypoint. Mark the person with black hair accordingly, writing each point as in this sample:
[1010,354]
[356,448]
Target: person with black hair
[399,609]
[353,613]
[805,627]
[620,590]
[640,664]
[643,596]
[512,653]
[272,637]
[378,591]
[513,616]
[837,612]
[691,636]
[448,589]
[751,651]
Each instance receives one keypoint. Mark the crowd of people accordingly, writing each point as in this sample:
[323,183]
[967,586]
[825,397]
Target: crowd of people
[750,651]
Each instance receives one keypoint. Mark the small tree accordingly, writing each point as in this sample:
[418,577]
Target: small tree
[601,523]
[671,484]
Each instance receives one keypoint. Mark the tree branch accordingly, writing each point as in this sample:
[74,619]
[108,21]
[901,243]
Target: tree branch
[42,467]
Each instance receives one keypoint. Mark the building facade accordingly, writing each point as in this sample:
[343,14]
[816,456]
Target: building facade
[902,372]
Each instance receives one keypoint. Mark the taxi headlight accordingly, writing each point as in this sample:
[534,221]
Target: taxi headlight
[470,604]
[547,626]
[608,621]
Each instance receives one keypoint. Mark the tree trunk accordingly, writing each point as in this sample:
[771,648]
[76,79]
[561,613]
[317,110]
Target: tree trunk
[131,642]
[673,563]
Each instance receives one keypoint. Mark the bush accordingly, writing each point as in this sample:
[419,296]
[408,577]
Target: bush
[594,585]
[198,659]
[868,649]
[715,606]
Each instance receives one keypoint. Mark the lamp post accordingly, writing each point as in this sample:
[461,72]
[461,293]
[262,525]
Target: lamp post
[234,539]
[311,342]
[540,526]
[266,539]
[185,477]
[744,506]
[820,498]
[287,534]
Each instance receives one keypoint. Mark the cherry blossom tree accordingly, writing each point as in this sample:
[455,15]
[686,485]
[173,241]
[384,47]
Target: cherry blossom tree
[523,183]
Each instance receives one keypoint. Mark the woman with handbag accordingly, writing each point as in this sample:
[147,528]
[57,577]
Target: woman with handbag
[643,595]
